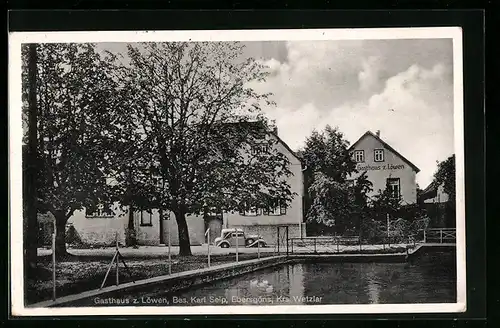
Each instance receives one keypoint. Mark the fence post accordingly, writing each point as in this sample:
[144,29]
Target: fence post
[315,245]
[54,263]
[258,249]
[237,241]
[208,245]
[337,240]
[169,247]
[291,243]
[286,231]
[425,237]
[116,266]
[278,239]
[441,236]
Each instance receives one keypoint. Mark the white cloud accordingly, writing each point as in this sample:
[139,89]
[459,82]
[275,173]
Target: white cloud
[358,89]
[369,76]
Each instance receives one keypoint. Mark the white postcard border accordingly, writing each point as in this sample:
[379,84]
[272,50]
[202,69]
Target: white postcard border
[15,161]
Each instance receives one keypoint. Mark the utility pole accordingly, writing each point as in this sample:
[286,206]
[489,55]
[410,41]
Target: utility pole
[31,227]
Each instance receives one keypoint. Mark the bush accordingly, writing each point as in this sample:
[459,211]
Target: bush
[130,237]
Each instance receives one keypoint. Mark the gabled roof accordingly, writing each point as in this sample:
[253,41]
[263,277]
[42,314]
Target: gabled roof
[386,145]
[256,125]
[286,146]
[430,191]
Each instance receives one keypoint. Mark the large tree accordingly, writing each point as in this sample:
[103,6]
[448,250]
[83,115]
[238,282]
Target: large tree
[445,177]
[200,126]
[329,196]
[75,96]
[30,167]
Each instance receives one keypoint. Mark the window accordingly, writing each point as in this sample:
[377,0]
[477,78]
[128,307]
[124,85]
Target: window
[359,156]
[237,234]
[260,149]
[394,187]
[251,211]
[378,155]
[101,211]
[147,218]
[276,207]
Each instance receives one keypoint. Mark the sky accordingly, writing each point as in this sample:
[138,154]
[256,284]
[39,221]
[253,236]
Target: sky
[404,88]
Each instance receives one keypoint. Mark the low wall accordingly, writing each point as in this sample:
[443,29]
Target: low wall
[170,283]
[426,248]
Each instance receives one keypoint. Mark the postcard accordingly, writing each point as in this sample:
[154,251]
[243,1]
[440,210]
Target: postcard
[237,172]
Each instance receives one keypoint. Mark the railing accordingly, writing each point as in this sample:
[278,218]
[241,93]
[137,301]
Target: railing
[340,244]
[440,235]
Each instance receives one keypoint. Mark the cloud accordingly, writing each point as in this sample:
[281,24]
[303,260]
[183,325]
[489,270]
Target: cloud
[358,88]
[369,77]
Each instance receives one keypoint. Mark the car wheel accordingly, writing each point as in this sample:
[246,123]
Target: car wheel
[249,241]
[224,245]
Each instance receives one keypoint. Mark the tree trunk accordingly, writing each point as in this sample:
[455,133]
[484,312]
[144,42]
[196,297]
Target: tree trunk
[131,238]
[31,220]
[184,243]
[61,220]
[162,239]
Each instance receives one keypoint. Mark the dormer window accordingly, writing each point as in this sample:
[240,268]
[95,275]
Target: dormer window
[359,156]
[378,155]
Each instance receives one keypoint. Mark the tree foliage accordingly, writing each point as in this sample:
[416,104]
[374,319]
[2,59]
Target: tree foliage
[197,121]
[331,199]
[445,176]
[75,97]
[340,204]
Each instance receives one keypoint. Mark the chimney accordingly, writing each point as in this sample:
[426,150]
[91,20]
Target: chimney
[378,133]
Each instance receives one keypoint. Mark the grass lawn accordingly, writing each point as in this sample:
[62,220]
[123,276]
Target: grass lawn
[77,274]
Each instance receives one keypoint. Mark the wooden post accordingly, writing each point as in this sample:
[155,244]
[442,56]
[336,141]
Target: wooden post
[116,266]
[337,240]
[237,241]
[441,235]
[208,245]
[169,247]
[425,237]
[278,239]
[286,231]
[54,263]
[258,249]
[291,243]
[388,231]
[315,246]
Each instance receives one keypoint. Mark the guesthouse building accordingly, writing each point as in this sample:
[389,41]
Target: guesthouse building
[101,227]
[385,167]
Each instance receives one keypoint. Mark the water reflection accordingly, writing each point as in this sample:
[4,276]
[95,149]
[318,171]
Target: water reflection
[429,280]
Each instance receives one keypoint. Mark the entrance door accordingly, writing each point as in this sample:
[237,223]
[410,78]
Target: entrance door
[215,225]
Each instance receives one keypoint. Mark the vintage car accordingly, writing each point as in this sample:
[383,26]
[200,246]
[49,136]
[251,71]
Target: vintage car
[229,237]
